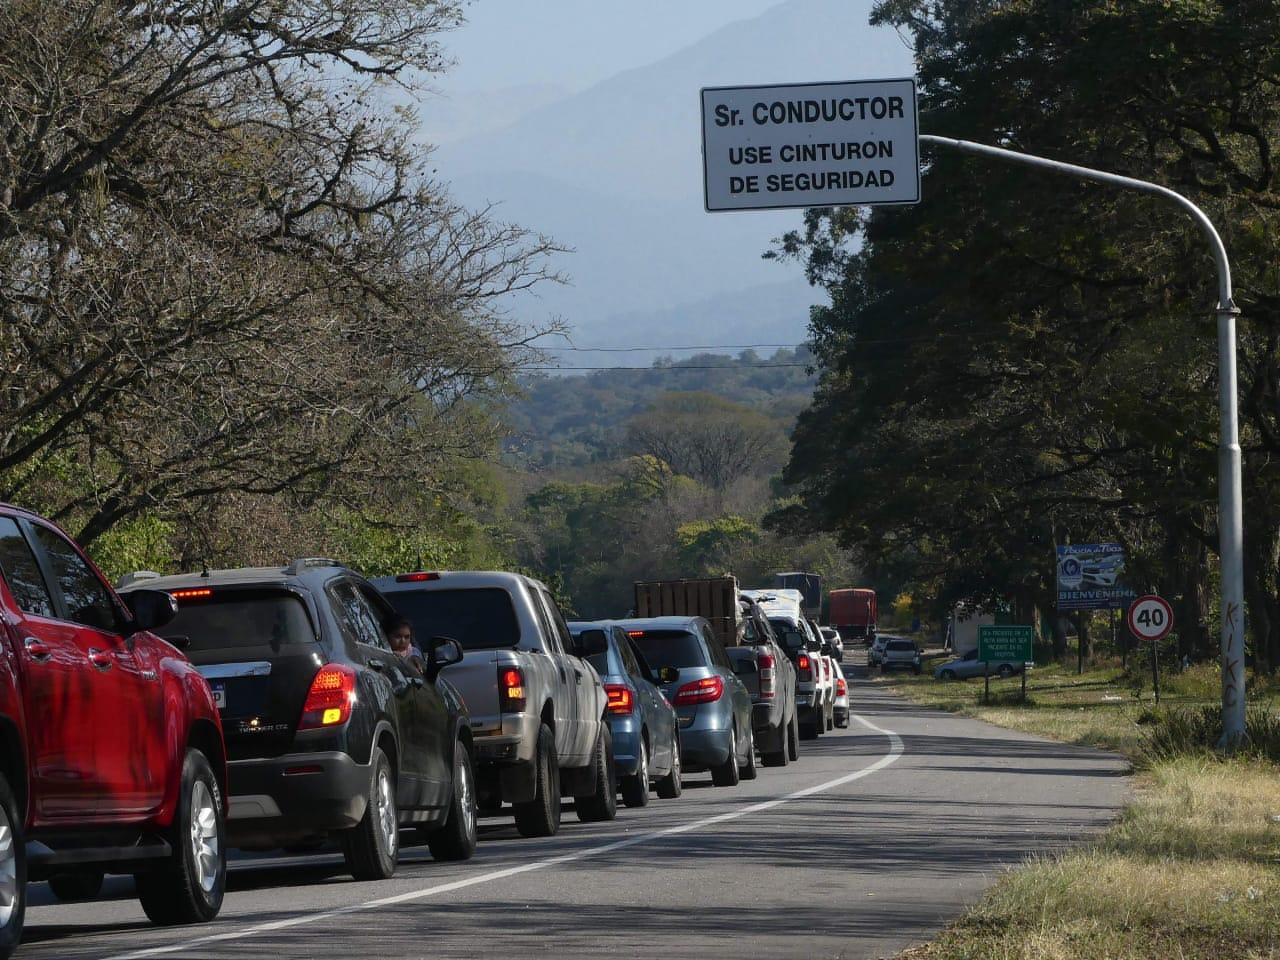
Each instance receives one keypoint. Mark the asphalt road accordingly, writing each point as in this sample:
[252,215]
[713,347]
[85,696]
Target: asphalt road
[878,836]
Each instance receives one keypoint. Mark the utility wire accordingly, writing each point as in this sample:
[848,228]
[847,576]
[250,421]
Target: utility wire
[683,366]
[707,346]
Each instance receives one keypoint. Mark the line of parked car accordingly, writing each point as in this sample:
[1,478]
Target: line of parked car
[148,728]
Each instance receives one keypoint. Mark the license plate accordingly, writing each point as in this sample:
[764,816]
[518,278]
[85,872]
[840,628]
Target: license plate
[219,696]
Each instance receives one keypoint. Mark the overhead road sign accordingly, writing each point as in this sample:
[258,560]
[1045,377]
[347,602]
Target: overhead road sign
[810,145]
[1150,618]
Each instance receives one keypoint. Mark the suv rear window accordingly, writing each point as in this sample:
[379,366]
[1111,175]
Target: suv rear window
[240,618]
[479,619]
[669,648]
[901,645]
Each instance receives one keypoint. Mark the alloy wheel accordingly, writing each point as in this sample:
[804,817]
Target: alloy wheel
[205,848]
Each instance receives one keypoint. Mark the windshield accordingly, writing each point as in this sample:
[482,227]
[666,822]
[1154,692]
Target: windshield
[902,645]
[479,619]
[670,648]
[240,618]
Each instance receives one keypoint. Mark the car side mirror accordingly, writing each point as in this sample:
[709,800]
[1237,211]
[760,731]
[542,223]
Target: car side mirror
[668,675]
[445,652]
[150,609]
[590,642]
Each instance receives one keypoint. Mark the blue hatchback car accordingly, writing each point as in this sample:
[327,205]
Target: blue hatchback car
[646,735]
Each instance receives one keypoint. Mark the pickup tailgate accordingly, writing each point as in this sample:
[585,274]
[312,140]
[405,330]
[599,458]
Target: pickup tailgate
[746,666]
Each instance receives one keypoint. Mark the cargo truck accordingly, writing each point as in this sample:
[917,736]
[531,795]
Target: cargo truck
[714,599]
[853,613]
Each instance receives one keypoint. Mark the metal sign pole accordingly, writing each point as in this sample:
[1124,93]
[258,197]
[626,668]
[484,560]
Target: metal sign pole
[1155,669]
[1230,508]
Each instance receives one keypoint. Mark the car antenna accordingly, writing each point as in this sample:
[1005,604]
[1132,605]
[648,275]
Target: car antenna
[419,566]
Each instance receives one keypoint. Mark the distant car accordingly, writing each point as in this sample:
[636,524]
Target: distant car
[967,666]
[900,654]
[713,705]
[646,735]
[842,698]
[876,651]
[329,732]
[833,635]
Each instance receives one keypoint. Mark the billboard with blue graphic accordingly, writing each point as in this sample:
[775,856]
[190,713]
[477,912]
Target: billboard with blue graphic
[1091,577]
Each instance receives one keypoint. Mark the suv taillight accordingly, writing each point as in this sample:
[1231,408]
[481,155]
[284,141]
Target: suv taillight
[511,698]
[765,662]
[328,704]
[805,666]
[706,690]
[621,700]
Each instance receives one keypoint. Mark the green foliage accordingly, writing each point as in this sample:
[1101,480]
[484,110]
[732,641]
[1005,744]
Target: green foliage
[1024,361]
[143,543]
[704,542]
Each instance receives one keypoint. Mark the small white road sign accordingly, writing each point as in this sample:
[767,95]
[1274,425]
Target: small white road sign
[810,145]
[1150,618]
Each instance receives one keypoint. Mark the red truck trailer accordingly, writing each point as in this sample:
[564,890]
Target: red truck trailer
[853,613]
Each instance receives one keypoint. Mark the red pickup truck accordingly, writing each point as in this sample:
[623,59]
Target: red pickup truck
[111,752]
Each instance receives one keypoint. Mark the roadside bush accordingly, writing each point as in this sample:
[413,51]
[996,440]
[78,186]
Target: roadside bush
[1197,731]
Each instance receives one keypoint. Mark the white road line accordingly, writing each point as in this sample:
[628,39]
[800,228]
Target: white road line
[895,751]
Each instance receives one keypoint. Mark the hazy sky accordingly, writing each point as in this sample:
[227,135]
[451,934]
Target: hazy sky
[575,43]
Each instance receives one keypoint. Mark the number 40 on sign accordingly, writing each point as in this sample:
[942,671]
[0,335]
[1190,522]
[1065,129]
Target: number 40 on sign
[1150,618]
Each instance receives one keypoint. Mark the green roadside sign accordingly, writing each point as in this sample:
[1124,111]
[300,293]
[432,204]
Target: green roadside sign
[1005,644]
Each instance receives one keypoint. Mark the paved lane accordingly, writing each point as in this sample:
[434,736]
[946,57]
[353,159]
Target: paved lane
[879,835]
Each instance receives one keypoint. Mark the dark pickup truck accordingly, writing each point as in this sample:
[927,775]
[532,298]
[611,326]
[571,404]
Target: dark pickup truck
[770,677]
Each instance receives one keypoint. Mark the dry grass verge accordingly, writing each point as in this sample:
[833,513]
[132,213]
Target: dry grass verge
[1192,868]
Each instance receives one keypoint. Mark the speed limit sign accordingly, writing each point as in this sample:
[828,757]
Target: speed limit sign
[1150,618]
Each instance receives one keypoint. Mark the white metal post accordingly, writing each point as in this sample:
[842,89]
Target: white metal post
[1230,496]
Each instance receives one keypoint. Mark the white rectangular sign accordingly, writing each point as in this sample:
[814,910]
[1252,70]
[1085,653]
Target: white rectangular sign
[810,145]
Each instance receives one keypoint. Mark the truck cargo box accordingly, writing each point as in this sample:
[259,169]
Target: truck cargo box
[714,599]
[853,613]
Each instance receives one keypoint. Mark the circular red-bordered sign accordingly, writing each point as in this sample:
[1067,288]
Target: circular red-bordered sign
[1150,618]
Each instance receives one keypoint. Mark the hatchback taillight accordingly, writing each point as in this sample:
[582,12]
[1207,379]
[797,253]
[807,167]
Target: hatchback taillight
[706,690]
[805,666]
[329,701]
[842,688]
[767,676]
[511,697]
[621,700]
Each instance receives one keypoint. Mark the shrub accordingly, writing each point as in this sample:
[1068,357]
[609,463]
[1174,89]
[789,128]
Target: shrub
[1197,731]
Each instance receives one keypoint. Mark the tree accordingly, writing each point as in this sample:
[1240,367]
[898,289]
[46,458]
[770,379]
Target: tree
[1021,361]
[712,440]
[223,269]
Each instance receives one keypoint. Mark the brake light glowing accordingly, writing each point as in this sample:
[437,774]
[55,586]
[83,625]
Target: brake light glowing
[200,593]
[635,633]
[329,701]
[416,577]
[767,677]
[511,698]
[805,666]
[706,690]
[621,699]
[842,688]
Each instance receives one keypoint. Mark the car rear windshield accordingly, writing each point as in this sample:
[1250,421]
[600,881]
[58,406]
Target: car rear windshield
[902,645]
[231,618]
[670,648]
[481,618]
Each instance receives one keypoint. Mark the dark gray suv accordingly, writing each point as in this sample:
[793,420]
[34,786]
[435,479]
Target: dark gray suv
[328,731]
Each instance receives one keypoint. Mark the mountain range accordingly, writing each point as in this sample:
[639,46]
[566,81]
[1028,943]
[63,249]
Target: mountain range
[615,173]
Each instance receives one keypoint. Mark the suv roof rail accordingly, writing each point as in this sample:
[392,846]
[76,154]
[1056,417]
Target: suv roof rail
[303,563]
[129,579]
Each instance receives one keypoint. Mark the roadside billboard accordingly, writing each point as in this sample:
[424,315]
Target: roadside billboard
[1091,576]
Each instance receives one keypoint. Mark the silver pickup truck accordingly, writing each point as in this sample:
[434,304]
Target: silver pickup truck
[537,710]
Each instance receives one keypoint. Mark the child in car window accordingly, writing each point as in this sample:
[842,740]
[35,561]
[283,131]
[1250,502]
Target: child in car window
[400,635]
